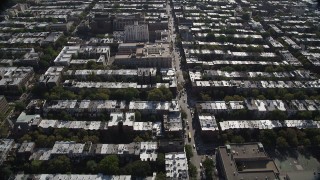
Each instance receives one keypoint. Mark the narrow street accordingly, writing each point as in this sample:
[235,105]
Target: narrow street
[183,96]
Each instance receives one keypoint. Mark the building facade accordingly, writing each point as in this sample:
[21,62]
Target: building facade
[136,32]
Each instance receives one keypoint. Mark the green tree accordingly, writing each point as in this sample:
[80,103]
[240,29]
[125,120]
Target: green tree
[192,170]
[161,176]
[138,139]
[305,115]
[210,37]
[91,166]
[155,95]
[208,165]
[205,97]
[255,93]
[60,164]
[36,166]
[6,172]
[278,115]
[166,93]
[161,162]
[160,94]
[41,141]
[291,136]
[183,114]
[137,168]
[19,106]
[288,96]
[237,139]
[137,115]
[268,137]
[282,142]
[316,140]
[189,151]
[25,137]
[109,165]
[125,94]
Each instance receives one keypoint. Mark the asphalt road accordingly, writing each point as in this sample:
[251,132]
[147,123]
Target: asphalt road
[183,98]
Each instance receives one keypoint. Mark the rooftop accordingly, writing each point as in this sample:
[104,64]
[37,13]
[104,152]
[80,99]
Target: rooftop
[247,161]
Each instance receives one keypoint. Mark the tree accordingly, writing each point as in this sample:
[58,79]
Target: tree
[166,93]
[183,114]
[189,151]
[155,95]
[109,165]
[210,37]
[291,136]
[19,106]
[255,93]
[161,176]
[137,115]
[36,166]
[268,137]
[60,164]
[208,165]
[6,172]
[26,137]
[316,140]
[138,139]
[125,94]
[41,141]
[92,166]
[160,94]
[300,95]
[278,115]
[305,115]
[161,162]
[282,143]
[238,139]
[246,16]
[271,93]
[205,97]
[192,170]
[289,96]
[137,168]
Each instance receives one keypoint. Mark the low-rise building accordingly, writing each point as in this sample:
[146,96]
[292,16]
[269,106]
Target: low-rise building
[24,122]
[136,32]
[123,122]
[26,149]
[145,151]
[245,161]
[5,147]
[79,176]
[84,108]
[176,165]
[14,79]
[4,106]
[51,77]
[208,126]
[95,53]
[172,124]
[143,55]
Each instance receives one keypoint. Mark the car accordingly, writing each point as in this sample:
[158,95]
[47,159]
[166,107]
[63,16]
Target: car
[201,165]
[194,146]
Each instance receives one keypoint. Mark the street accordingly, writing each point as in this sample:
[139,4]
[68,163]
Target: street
[183,97]
[187,104]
